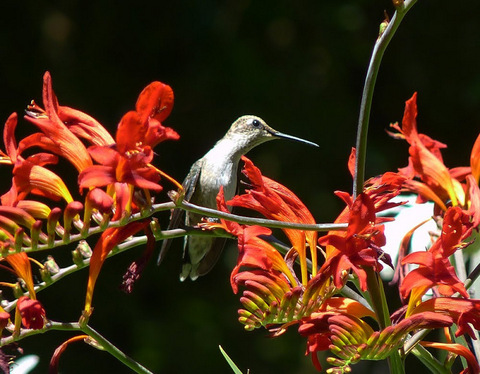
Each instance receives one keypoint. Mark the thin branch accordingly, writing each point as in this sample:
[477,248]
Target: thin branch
[76,327]
[260,221]
[189,207]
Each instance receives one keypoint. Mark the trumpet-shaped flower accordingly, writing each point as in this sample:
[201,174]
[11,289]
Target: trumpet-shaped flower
[29,309]
[275,201]
[359,247]
[128,160]
[253,252]
[30,174]
[458,349]
[434,267]
[60,138]
[429,177]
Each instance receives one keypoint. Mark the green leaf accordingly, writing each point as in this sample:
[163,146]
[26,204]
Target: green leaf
[234,367]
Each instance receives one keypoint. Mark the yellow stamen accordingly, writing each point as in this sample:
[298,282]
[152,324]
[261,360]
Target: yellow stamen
[6,284]
[172,180]
[39,264]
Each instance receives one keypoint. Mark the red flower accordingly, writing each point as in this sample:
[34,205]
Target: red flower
[57,137]
[32,313]
[434,267]
[253,252]
[128,161]
[359,247]
[475,160]
[434,181]
[21,265]
[275,201]
[30,175]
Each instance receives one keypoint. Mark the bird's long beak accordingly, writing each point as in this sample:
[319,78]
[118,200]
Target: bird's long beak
[279,134]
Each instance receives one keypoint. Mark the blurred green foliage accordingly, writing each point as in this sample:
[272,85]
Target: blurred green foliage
[299,65]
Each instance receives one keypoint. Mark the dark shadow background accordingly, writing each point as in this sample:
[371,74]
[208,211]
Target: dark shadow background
[299,65]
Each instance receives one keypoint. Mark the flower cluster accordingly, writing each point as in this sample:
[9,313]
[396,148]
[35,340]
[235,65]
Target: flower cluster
[315,294]
[115,176]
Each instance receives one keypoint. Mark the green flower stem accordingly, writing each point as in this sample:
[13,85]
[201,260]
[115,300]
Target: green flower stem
[380,306]
[377,297]
[381,45]
[99,340]
[114,351]
[395,363]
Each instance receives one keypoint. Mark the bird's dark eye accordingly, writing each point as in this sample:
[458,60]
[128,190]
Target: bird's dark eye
[256,123]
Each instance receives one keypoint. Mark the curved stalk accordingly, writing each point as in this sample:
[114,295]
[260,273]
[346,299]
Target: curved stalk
[381,45]
[386,35]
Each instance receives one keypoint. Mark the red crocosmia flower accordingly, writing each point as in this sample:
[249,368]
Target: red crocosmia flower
[425,159]
[112,237]
[275,201]
[84,126]
[473,199]
[22,267]
[67,144]
[32,313]
[434,267]
[29,175]
[128,161]
[434,181]
[78,123]
[358,247]
[253,252]
[10,157]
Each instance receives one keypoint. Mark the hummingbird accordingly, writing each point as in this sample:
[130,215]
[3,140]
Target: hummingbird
[219,167]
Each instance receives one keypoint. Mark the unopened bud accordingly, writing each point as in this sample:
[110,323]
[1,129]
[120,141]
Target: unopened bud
[84,249]
[52,222]
[397,3]
[51,265]
[156,229]
[70,214]
[77,257]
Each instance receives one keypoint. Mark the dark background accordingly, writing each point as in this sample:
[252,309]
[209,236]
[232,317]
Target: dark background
[300,66]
